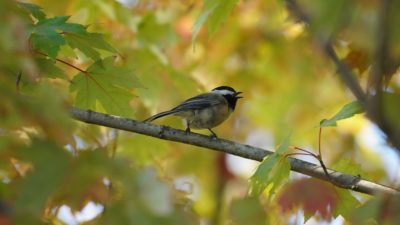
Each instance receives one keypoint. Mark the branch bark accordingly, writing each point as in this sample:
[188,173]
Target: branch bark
[354,183]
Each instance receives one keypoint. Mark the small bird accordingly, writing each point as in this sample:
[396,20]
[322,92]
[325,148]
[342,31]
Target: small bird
[205,111]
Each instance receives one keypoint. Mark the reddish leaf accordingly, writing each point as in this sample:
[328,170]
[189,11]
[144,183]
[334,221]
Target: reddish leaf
[312,195]
[357,59]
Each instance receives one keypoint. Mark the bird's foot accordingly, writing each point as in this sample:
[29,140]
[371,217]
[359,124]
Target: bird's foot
[187,130]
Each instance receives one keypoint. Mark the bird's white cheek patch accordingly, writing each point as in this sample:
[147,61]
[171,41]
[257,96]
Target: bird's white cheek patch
[223,92]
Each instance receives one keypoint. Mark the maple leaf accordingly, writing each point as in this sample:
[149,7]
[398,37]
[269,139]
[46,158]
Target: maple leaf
[105,87]
[34,10]
[272,171]
[88,43]
[47,37]
[312,195]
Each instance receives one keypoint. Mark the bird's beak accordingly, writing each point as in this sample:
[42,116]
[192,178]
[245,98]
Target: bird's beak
[238,93]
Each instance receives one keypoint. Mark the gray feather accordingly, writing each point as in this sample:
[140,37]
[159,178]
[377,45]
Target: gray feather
[198,102]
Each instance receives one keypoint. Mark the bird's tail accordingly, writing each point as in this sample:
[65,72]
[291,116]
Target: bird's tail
[159,115]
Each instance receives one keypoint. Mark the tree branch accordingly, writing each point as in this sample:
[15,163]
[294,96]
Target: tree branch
[373,105]
[354,183]
[344,72]
[383,67]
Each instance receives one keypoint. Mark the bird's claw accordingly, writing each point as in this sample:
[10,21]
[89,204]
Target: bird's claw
[187,130]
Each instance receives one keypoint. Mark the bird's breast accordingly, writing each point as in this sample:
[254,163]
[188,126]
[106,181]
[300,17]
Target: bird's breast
[209,118]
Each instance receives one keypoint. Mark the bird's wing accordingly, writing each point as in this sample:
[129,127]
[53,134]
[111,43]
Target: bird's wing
[197,102]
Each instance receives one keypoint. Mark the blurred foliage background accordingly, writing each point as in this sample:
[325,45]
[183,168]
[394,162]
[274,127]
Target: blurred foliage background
[148,56]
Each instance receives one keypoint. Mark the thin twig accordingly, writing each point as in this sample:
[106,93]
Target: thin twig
[319,141]
[306,151]
[320,156]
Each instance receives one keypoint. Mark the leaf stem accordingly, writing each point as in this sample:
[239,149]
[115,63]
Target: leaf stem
[319,141]
[62,61]
[306,151]
[321,161]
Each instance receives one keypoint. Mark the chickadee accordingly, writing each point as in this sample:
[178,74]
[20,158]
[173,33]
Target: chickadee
[205,111]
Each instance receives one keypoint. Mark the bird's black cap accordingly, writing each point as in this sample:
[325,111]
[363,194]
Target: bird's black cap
[224,88]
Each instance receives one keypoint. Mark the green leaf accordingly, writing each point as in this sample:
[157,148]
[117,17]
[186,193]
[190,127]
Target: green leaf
[272,171]
[46,34]
[284,146]
[347,111]
[346,204]
[209,7]
[216,12]
[220,14]
[248,211]
[48,42]
[49,69]
[87,43]
[58,24]
[33,9]
[105,86]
